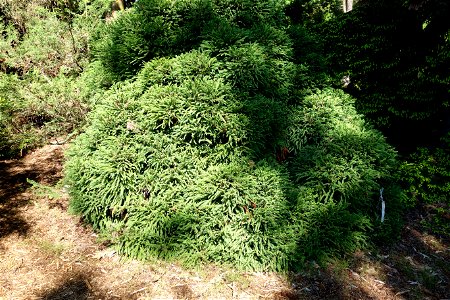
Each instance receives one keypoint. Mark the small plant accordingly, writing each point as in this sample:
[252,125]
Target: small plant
[438,220]
[426,175]
[234,277]
[41,190]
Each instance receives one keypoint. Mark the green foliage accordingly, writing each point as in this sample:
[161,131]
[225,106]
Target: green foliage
[438,221]
[48,45]
[395,78]
[310,58]
[152,28]
[212,151]
[330,229]
[168,28]
[247,13]
[14,138]
[399,83]
[42,190]
[326,132]
[313,12]
[425,175]
[180,135]
[340,163]
[37,108]
[42,50]
[212,137]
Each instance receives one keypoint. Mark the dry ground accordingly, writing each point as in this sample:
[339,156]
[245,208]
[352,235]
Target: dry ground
[46,253]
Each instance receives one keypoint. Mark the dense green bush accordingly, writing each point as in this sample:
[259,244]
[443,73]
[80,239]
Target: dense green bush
[425,177]
[312,70]
[340,164]
[172,165]
[155,28]
[152,28]
[166,167]
[202,140]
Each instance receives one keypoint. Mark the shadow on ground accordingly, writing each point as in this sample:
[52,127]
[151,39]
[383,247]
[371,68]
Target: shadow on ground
[73,286]
[323,283]
[418,267]
[11,185]
[14,195]
[414,267]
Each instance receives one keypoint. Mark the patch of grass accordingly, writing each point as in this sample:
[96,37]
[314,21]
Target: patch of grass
[238,278]
[45,191]
[51,248]
[404,266]
[428,278]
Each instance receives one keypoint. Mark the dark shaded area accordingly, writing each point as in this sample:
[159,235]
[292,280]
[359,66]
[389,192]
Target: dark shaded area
[14,186]
[411,269]
[420,262]
[407,135]
[416,267]
[395,54]
[10,204]
[73,287]
[323,284]
[183,292]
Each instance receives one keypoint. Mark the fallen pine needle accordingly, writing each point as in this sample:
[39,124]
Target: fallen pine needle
[401,293]
[137,291]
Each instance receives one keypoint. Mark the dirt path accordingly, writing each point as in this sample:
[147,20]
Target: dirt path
[46,253]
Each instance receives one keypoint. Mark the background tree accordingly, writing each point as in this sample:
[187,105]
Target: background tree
[396,55]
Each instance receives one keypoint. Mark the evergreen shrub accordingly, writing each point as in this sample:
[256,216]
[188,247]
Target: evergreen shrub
[340,163]
[152,28]
[155,28]
[165,167]
[213,154]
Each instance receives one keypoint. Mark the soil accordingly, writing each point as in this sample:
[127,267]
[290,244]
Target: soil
[47,253]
